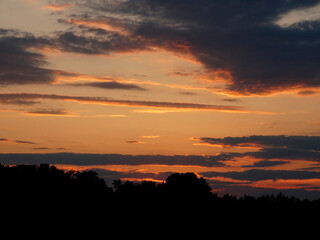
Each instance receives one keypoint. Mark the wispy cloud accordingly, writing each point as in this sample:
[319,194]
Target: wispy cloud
[16,141]
[150,137]
[134,142]
[108,85]
[57,7]
[5,97]
[296,17]
[50,112]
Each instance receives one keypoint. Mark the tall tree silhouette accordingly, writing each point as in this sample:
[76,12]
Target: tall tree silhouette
[187,186]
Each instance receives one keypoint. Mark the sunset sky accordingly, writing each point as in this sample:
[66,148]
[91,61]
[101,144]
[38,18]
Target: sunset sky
[139,89]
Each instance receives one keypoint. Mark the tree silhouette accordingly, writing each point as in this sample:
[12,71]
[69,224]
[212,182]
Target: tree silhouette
[187,186]
[40,186]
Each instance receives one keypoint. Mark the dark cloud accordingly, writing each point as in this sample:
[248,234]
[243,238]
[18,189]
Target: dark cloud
[18,63]
[105,43]
[110,159]
[266,163]
[260,174]
[285,153]
[276,141]
[22,63]
[238,41]
[109,85]
[272,147]
[232,36]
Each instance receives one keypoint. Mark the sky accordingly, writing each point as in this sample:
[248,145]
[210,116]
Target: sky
[139,89]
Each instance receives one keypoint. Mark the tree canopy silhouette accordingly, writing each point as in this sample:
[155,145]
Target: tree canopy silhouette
[42,185]
[187,185]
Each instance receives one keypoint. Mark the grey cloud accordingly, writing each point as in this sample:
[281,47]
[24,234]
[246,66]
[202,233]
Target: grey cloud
[225,36]
[109,85]
[20,65]
[286,153]
[273,147]
[188,93]
[259,175]
[274,141]
[72,41]
[266,163]
[233,36]
[48,111]
[110,159]
[239,190]
[19,102]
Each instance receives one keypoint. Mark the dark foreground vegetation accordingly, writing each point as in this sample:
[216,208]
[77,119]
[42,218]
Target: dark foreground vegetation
[46,188]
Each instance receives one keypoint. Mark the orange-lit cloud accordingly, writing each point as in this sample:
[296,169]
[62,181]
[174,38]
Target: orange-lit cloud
[229,180]
[221,145]
[99,24]
[162,111]
[56,7]
[150,137]
[311,184]
[142,179]
[117,116]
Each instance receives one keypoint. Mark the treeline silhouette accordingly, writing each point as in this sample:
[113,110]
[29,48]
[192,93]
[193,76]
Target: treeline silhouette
[43,186]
